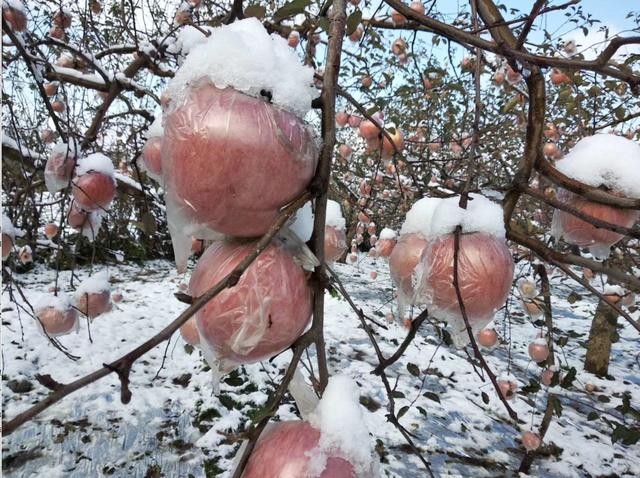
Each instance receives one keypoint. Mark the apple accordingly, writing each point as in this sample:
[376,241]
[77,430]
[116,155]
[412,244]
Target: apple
[93,190]
[189,332]
[335,243]
[263,314]
[94,304]
[403,260]
[51,230]
[56,320]
[216,145]
[293,40]
[531,441]
[539,352]
[487,338]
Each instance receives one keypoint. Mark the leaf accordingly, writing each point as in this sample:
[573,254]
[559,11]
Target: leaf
[592,416]
[432,396]
[397,394]
[628,436]
[353,21]
[567,381]
[413,369]
[324,24]
[256,11]
[422,410]
[573,297]
[290,9]
[557,405]
[485,398]
[402,411]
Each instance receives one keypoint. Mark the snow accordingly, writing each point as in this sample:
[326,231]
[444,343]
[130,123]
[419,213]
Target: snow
[15,4]
[189,37]
[155,129]
[302,223]
[334,216]
[539,341]
[342,427]
[481,215]
[605,160]
[610,289]
[387,234]
[175,416]
[96,162]
[418,218]
[61,302]
[243,56]
[7,227]
[98,282]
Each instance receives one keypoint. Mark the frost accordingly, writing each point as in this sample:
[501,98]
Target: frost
[334,215]
[96,162]
[387,234]
[97,283]
[243,56]
[342,427]
[605,160]
[418,219]
[481,215]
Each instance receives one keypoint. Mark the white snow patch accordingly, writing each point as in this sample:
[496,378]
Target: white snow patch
[97,283]
[243,56]
[334,215]
[342,427]
[96,162]
[388,234]
[605,160]
[481,215]
[418,219]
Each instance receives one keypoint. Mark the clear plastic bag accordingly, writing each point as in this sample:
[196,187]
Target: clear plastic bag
[229,163]
[263,314]
[60,165]
[583,234]
[402,264]
[485,275]
[56,315]
[335,243]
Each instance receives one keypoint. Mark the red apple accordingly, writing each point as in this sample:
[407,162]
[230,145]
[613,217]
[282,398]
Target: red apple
[487,338]
[384,247]
[388,149]
[94,304]
[418,7]
[216,145]
[16,19]
[189,332]
[342,118]
[531,441]
[508,389]
[151,155]
[51,230]
[58,106]
[403,260]
[580,233]
[59,168]
[259,317]
[397,18]
[93,190]
[286,450]
[335,243]
[485,275]
[357,34]
[366,82]
[539,352]
[50,89]
[117,297]
[368,129]
[354,121]
[57,322]
[7,246]
[62,19]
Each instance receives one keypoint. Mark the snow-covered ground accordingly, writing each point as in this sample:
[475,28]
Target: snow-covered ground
[176,426]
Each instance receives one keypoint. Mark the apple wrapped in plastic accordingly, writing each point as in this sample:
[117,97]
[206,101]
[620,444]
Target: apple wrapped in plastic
[217,146]
[485,275]
[583,234]
[263,314]
[151,157]
[286,449]
[59,168]
[93,297]
[335,243]
[402,264]
[56,315]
